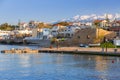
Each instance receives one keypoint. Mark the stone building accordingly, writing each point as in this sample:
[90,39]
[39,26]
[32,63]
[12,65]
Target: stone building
[88,36]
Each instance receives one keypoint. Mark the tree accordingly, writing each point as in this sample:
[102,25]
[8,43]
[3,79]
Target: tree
[43,25]
[6,27]
[63,23]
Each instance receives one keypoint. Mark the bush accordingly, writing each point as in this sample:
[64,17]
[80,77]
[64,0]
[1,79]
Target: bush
[108,45]
[53,40]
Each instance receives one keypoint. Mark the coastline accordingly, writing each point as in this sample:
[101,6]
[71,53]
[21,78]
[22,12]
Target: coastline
[84,51]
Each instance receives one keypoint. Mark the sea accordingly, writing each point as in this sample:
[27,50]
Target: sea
[57,66]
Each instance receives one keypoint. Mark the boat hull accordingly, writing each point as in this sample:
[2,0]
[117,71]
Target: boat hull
[42,43]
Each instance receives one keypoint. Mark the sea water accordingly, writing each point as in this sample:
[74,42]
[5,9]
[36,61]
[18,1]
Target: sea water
[55,66]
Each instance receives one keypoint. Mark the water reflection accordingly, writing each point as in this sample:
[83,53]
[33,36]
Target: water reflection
[24,60]
[118,60]
[101,64]
[46,66]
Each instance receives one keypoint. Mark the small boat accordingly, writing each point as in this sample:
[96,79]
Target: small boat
[37,41]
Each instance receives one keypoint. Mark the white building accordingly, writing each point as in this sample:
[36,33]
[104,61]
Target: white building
[24,31]
[76,23]
[2,33]
[88,23]
[22,25]
[41,37]
[116,42]
[69,31]
[56,29]
[43,33]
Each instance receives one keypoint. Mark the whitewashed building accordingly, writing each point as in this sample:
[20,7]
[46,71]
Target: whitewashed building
[69,31]
[41,37]
[43,33]
[56,29]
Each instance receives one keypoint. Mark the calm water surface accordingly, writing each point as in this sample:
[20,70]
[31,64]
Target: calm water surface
[47,66]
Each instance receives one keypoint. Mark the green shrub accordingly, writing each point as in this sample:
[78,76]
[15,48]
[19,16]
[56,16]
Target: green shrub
[107,44]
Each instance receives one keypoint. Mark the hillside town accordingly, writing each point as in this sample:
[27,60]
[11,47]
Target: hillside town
[64,33]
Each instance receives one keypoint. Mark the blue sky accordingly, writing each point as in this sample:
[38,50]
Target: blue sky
[53,10]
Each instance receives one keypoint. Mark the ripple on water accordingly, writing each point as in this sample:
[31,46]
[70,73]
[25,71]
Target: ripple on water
[57,67]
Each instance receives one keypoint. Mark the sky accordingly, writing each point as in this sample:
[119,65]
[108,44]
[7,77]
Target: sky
[12,11]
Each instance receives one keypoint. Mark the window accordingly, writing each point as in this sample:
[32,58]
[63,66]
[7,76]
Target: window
[88,37]
[117,33]
[78,37]
[71,34]
[44,37]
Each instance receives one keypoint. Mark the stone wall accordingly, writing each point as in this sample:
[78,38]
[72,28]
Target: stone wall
[88,36]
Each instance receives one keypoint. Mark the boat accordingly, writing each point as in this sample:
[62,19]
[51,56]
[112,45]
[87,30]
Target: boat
[37,41]
[41,37]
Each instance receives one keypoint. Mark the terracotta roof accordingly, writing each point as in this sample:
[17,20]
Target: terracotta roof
[97,21]
[118,21]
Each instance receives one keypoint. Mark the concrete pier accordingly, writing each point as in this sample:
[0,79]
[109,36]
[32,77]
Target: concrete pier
[84,51]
